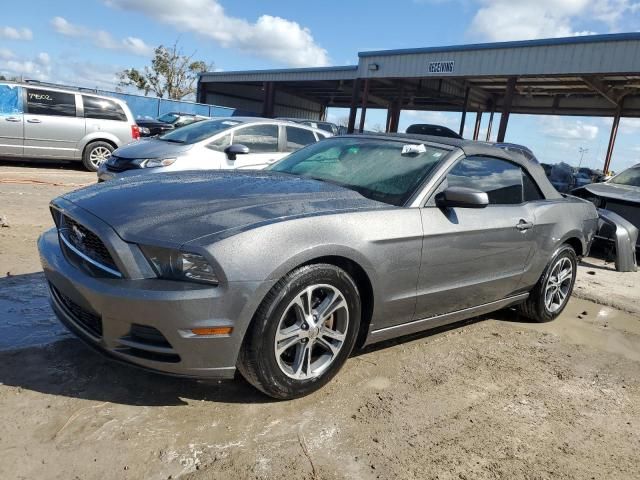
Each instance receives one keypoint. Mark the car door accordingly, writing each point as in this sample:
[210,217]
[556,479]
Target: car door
[262,141]
[474,256]
[52,128]
[11,121]
[296,138]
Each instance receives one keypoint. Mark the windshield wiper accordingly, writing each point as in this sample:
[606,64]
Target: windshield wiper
[170,140]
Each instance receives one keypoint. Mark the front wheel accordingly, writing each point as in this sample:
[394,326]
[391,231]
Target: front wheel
[95,154]
[551,294]
[302,333]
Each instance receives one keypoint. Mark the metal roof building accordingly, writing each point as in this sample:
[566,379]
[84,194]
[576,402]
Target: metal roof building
[596,75]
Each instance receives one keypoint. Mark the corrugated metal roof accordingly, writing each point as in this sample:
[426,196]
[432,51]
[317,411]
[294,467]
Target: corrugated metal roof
[543,42]
[344,72]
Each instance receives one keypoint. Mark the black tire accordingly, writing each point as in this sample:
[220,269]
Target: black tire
[94,147]
[258,362]
[536,307]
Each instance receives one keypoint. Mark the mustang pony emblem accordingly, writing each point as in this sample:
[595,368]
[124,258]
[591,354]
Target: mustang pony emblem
[78,234]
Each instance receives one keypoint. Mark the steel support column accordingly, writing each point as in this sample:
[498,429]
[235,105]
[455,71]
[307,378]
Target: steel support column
[269,99]
[363,107]
[396,109]
[464,110]
[389,115]
[490,126]
[612,138]
[355,93]
[476,128]
[506,108]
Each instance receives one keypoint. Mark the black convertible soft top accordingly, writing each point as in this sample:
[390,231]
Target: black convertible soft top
[470,147]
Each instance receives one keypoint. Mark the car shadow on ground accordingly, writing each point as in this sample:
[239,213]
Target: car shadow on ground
[70,368]
[43,164]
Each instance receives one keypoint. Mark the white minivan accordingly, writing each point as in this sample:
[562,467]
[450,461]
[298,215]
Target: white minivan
[41,122]
[220,143]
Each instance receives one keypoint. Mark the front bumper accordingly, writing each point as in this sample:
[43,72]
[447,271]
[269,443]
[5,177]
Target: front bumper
[168,309]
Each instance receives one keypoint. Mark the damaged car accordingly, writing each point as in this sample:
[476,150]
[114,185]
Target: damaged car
[279,274]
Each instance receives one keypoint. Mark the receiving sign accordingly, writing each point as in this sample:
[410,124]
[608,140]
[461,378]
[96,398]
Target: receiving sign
[442,67]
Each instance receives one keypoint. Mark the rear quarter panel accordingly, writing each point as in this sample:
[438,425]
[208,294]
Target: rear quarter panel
[556,222]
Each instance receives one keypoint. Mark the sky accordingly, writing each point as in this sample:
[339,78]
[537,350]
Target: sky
[86,43]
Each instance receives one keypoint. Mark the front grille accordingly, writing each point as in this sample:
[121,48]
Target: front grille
[119,164]
[86,319]
[87,242]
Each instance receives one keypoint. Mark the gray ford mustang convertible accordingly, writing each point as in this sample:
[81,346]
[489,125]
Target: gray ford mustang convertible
[280,273]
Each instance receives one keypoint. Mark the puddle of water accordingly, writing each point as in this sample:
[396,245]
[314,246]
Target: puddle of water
[26,318]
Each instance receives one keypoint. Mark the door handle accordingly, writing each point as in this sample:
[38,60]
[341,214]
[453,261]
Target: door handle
[34,120]
[13,119]
[523,225]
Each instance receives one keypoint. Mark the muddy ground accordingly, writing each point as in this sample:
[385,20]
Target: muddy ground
[496,397]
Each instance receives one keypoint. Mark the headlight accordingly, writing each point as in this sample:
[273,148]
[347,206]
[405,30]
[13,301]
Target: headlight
[145,131]
[154,162]
[175,265]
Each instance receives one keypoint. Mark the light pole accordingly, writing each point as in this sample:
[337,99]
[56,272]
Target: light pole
[582,152]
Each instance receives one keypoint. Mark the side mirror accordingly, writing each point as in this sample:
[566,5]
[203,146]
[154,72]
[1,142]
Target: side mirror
[462,197]
[236,149]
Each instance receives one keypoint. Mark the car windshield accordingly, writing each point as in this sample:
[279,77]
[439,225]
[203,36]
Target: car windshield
[198,131]
[629,177]
[169,117]
[383,170]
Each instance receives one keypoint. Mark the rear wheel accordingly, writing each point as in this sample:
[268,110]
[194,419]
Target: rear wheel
[302,333]
[95,154]
[551,294]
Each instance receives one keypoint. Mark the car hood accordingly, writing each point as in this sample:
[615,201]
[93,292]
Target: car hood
[151,148]
[171,209]
[618,192]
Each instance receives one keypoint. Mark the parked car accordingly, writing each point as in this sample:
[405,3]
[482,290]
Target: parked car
[223,143]
[620,194]
[435,130]
[329,127]
[179,119]
[46,123]
[561,177]
[150,127]
[281,272]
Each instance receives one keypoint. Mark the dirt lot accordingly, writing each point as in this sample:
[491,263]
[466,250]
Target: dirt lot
[492,398]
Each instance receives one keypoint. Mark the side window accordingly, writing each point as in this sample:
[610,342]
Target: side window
[500,179]
[259,138]
[221,143]
[10,99]
[298,138]
[531,189]
[102,109]
[47,102]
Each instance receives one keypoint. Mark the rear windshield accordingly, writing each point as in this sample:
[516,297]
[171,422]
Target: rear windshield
[198,131]
[387,171]
[629,177]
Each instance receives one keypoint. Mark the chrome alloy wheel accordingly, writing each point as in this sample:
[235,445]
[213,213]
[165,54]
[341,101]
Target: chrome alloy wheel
[558,285]
[311,332]
[99,155]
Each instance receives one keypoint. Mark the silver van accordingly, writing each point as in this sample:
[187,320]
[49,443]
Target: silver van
[41,122]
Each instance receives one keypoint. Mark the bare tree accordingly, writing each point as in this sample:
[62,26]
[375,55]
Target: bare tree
[172,74]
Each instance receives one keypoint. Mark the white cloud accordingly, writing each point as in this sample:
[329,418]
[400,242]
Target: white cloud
[12,33]
[275,38]
[501,20]
[6,54]
[101,38]
[64,27]
[37,68]
[568,129]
